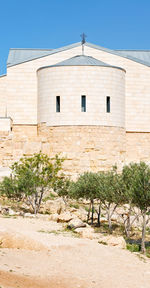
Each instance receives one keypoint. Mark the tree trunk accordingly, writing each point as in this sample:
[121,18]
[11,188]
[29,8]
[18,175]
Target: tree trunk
[127,232]
[89,212]
[109,219]
[40,199]
[143,232]
[92,218]
[35,203]
[98,215]
[128,226]
[35,212]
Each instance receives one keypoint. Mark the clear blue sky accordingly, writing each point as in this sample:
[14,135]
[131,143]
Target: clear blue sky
[55,23]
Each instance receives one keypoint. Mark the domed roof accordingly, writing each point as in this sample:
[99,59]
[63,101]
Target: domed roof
[81,60]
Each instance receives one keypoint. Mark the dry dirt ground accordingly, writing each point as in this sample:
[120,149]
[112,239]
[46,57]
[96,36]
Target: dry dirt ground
[50,260]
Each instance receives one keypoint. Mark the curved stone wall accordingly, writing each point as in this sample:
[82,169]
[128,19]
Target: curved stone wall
[70,82]
[87,148]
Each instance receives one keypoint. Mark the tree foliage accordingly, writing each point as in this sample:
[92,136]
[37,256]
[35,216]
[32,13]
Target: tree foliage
[113,189]
[31,177]
[137,179]
[86,187]
[110,192]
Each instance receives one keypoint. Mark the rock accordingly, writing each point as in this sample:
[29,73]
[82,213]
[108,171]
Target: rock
[86,233]
[86,202]
[113,241]
[53,206]
[103,219]
[121,210]
[54,217]
[17,213]
[21,213]
[29,215]
[11,212]
[81,214]
[115,218]
[65,217]
[87,225]
[73,210]
[5,211]
[24,206]
[76,223]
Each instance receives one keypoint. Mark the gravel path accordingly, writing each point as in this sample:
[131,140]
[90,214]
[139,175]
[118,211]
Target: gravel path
[65,262]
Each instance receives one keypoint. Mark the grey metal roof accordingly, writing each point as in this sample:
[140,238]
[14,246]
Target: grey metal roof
[81,60]
[18,56]
[122,54]
[21,55]
[143,55]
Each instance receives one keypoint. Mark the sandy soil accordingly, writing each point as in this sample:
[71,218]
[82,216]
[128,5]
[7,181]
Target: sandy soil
[64,261]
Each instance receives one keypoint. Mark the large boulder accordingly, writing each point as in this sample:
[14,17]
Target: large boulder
[54,217]
[11,212]
[113,241]
[65,217]
[76,223]
[53,206]
[81,214]
[5,211]
[86,232]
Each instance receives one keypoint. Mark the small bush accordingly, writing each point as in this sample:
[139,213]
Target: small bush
[133,247]
[76,206]
[102,242]
[148,252]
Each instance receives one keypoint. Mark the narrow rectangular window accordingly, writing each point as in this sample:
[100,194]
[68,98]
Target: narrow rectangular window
[108,104]
[83,103]
[57,103]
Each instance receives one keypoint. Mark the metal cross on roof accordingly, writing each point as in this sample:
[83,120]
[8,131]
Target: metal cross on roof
[83,36]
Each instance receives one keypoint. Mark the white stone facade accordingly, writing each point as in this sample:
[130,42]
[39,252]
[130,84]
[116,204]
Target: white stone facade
[29,121]
[70,83]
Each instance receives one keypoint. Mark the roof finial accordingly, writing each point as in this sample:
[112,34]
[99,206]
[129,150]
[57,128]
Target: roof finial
[83,36]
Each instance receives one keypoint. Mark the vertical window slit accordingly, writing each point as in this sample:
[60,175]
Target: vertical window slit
[57,103]
[83,103]
[108,104]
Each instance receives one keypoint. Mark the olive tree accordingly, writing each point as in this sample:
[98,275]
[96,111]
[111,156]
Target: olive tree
[62,187]
[31,177]
[110,192]
[141,193]
[128,186]
[86,187]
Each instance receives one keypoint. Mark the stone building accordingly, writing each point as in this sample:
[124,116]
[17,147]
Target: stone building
[92,108]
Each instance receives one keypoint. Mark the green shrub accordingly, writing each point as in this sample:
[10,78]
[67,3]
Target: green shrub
[133,247]
[76,206]
[30,179]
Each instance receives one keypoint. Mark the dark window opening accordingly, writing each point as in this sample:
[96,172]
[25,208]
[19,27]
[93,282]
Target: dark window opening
[57,103]
[108,104]
[83,103]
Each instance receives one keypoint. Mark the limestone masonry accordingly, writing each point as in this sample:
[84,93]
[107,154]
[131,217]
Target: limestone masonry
[92,108]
